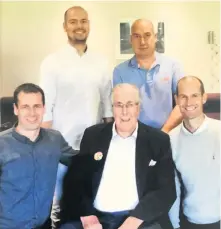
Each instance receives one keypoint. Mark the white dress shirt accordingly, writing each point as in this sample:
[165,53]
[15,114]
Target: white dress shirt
[118,188]
[197,158]
[77,90]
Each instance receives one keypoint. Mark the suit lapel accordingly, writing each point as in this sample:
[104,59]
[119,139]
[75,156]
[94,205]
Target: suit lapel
[143,155]
[102,145]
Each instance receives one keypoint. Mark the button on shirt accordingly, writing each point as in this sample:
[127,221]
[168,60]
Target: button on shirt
[27,177]
[118,189]
[77,90]
[157,86]
[197,159]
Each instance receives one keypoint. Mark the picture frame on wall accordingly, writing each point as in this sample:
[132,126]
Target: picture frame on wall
[123,46]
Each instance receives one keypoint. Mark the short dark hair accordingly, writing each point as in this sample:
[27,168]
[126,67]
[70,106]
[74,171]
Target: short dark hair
[202,89]
[28,88]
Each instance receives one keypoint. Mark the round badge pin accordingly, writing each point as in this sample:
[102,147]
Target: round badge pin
[98,156]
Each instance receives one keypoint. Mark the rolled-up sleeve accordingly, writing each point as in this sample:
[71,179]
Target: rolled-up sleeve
[67,152]
[48,84]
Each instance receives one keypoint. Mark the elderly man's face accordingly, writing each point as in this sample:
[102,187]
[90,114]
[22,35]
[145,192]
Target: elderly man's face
[125,108]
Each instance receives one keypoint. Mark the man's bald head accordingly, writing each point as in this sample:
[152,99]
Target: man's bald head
[185,81]
[76,25]
[190,97]
[72,9]
[143,38]
[142,23]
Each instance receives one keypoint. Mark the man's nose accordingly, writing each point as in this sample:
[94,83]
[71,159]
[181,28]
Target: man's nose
[189,101]
[142,41]
[124,109]
[79,24]
[32,111]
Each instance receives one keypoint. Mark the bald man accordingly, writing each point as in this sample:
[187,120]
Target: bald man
[196,153]
[154,74]
[77,88]
[123,177]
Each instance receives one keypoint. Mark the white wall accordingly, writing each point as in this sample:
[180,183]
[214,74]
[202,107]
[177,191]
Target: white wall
[31,30]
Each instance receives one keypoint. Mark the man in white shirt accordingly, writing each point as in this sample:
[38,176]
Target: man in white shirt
[77,88]
[123,176]
[196,153]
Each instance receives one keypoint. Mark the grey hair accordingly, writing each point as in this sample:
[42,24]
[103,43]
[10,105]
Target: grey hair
[121,85]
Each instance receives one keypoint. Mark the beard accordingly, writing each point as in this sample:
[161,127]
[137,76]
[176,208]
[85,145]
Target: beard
[80,41]
[77,40]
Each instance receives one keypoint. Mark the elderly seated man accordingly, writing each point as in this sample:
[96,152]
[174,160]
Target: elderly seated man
[123,176]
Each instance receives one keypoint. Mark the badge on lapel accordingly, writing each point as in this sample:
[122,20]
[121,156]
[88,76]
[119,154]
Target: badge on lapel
[98,156]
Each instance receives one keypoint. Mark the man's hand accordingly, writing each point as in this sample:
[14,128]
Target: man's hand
[165,130]
[131,223]
[90,222]
[47,125]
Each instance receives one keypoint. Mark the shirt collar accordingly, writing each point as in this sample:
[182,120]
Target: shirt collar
[75,50]
[114,132]
[133,61]
[202,127]
[23,138]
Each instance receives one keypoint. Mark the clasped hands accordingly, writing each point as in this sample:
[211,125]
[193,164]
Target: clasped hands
[92,222]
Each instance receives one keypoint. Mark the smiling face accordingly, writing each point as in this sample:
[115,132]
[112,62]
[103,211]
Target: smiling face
[76,25]
[143,38]
[126,108]
[30,111]
[190,98]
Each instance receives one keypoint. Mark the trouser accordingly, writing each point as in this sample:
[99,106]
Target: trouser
[185,224]
[55,210]
[62,169]
[109,221]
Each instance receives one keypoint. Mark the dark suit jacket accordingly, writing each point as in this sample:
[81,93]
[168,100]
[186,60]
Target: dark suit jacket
[155,184]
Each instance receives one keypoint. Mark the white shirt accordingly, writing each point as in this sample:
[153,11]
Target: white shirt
[197,158]
[118,188]
[77,90]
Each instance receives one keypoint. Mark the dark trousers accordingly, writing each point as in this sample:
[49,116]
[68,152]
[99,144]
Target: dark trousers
[110,221]
[107,220]
[185,224]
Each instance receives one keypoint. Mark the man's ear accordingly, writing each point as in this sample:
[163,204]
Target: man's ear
[131,39]
[15,109]
[64,27]
[204,98]
[155,37]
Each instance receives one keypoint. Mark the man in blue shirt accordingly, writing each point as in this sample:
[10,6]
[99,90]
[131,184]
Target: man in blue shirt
[29,157]
[154,74]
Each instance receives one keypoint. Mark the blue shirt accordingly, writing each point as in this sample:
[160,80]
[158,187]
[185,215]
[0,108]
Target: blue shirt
[27,177]
[157,86]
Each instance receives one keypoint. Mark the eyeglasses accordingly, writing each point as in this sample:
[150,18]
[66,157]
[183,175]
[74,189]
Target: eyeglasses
[128,106]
